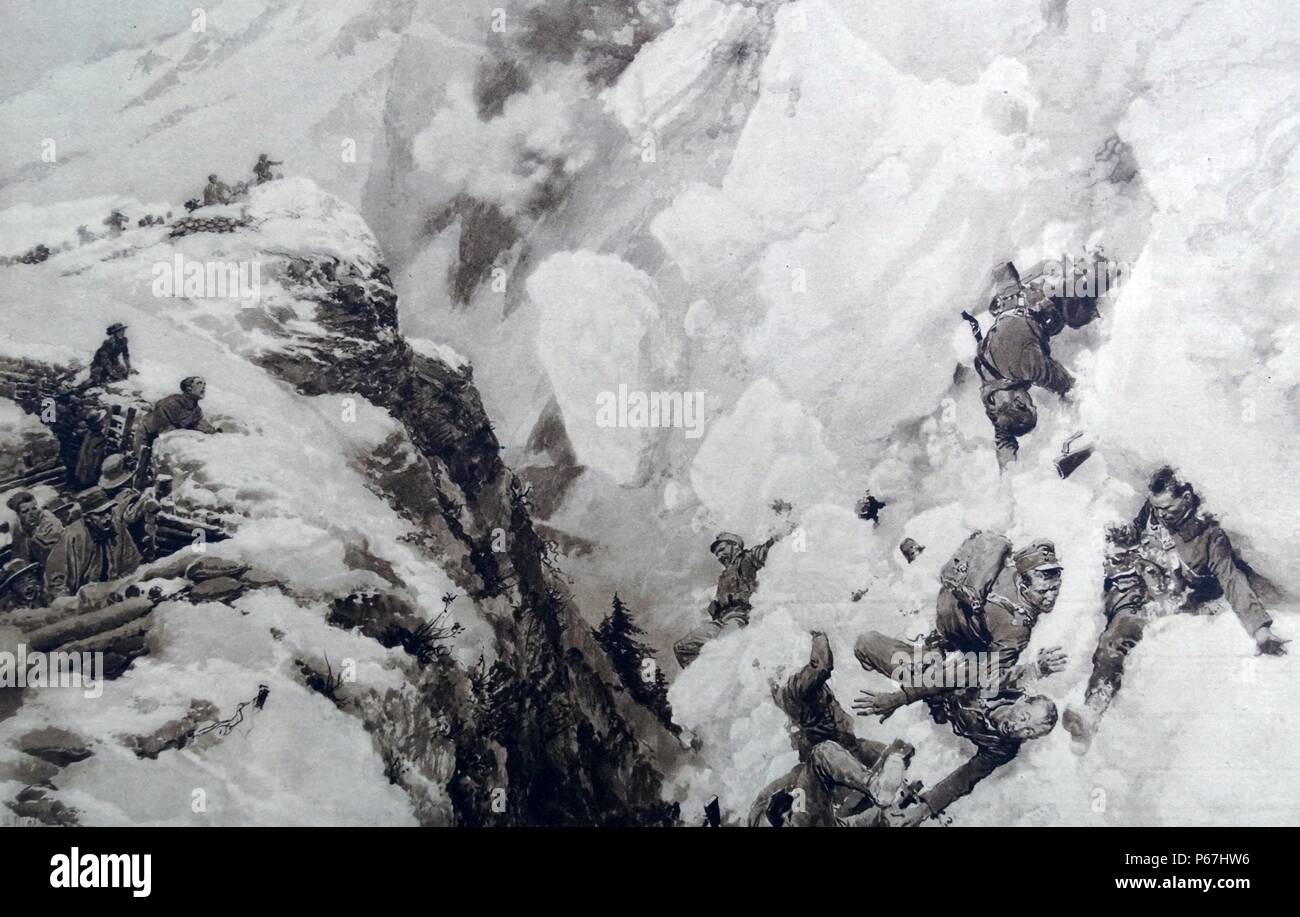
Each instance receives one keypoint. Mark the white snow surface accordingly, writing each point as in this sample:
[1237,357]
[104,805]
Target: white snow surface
[286,473]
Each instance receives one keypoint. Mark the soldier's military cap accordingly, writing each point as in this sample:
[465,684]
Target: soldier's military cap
[94,499]
[727,538]
[1041,555]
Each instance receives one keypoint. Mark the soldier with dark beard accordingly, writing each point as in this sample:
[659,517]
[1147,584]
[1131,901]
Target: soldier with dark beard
[95,548]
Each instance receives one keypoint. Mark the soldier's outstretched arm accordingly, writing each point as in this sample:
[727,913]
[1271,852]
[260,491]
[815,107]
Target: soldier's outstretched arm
[1043,370]
[818,670]
[959,783]
[1241,596]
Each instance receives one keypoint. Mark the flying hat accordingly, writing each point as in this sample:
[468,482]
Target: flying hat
[115,328]
[727,538]
[1041,555]
[94,499]
[115,472]
[14,569]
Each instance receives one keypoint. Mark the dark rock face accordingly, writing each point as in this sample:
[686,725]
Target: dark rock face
[541,737]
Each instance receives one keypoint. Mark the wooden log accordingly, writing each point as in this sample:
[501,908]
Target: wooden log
[125,639]
[84,626]
[47,472]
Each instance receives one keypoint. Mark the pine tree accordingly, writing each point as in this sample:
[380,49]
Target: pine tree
[617,635]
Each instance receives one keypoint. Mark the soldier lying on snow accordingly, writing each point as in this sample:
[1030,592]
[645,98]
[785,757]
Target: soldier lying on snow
[1171,559]
[987,607]
[1016,354]
[837,770]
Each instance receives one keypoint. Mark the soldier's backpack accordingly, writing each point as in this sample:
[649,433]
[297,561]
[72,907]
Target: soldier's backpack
[965,582]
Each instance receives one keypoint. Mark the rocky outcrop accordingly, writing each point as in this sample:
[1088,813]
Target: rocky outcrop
[540,737]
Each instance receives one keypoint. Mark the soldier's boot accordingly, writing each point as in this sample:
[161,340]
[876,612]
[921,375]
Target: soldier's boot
[888,777]
[1081,721]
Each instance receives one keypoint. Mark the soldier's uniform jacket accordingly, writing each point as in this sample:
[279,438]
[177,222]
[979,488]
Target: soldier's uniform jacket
[1003,630]
[262,169]
[1196,564]
[216,192]
[969,715]
[111,363]
[738,580]
[37,544]
[78,559]
[812,705]
[1016,348]
[180,411]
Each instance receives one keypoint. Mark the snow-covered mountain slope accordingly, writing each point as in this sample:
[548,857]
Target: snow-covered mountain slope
[784,206]
[361,482]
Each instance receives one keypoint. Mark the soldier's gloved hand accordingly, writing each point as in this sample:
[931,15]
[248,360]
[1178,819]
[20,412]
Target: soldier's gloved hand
[881,703]
[1268,643]
[1051,659]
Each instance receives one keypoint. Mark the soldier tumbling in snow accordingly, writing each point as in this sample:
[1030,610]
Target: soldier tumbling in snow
[835,765]
[1014,355]
[990,600]
[736,584]
[997,726]
[1171,559]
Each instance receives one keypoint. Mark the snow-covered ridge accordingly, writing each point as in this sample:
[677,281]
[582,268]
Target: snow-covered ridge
[361,481]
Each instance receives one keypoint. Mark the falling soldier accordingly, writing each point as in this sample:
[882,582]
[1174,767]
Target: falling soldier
[1171,559]
[989,600]
[837,770]
[996,725]
[736,584]
[1014,355]
[968,671]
